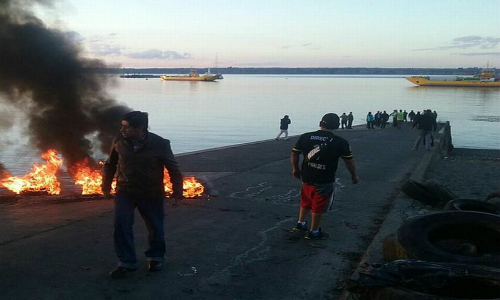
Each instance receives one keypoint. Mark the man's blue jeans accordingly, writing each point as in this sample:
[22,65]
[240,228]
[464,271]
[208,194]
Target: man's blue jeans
[152,211]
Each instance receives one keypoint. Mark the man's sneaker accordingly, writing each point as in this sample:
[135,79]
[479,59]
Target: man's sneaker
[155,266]
[120,272]
[300,227]
[320,235]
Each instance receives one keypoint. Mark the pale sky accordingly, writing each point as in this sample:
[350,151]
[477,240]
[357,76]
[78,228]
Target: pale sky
[283,33]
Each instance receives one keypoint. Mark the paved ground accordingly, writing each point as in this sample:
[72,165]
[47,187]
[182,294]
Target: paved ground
[232,246]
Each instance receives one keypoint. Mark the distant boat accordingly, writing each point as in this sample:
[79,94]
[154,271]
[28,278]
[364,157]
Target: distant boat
[218,75]
[192,76]
[485,79]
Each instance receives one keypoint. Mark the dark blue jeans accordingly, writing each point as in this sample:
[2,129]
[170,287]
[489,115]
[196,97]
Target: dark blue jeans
[152,211]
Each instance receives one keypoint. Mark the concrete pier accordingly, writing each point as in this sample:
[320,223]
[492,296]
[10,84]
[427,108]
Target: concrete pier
[235,244]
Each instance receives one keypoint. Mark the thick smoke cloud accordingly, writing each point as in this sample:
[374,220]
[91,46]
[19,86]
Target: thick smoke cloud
[42,70]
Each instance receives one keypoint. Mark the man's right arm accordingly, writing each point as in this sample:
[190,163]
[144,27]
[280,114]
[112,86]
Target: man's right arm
[109,171]
[294,160]
[351,167]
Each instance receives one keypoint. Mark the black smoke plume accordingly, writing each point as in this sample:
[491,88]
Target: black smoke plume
[44,72]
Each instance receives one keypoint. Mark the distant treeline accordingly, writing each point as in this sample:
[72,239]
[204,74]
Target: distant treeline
[295,71]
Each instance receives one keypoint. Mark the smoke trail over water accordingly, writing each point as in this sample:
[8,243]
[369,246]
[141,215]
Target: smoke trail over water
[44,72]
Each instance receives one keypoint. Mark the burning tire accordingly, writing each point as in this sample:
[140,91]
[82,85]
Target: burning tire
[454,236]
[420,192]
[444,281]
[472,205]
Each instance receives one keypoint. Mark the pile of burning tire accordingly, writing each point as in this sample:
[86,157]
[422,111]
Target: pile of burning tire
[453,254]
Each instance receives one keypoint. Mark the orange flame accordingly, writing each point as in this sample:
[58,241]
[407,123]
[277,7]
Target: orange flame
[191,187]
[41,179]
[90,179]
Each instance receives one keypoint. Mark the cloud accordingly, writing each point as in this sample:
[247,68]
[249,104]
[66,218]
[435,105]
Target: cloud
[478,54]
[158,54]
[294,46]
[103,49]
[103,46]
[475,41]
[467,42]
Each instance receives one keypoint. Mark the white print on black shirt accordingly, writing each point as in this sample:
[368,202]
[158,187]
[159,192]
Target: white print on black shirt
[316,152]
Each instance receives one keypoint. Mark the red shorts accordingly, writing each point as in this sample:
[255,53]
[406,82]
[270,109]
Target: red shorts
[317,197]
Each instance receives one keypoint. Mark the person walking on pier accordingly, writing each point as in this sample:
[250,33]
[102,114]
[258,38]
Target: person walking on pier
[350,118]
[343,120]
[284,127]
[369,120]
[426,124]
[321,151]
[138,159]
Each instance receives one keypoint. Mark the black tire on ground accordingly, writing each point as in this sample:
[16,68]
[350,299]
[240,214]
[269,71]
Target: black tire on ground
[418,191]
[472,205]
[468,282]
[453,236]
[439,191]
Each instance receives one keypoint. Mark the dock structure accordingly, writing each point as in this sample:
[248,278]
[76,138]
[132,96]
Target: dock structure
[233,243]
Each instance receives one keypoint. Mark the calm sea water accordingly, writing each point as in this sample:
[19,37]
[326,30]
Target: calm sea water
[246,108]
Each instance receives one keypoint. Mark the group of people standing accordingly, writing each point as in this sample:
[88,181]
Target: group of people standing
[381,118]
[346,120]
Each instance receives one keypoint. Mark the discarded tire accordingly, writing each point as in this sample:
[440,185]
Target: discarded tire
[453,236]
[470,284]
[418,191]
[472,205]
[439,191]
[421,280]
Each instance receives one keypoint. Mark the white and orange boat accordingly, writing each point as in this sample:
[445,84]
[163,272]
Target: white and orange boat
[192,76]
[487,78]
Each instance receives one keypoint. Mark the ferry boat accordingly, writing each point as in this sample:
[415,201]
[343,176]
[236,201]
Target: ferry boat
[192,76]
[485,79]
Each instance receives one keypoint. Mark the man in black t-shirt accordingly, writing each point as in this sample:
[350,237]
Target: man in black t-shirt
[321,150]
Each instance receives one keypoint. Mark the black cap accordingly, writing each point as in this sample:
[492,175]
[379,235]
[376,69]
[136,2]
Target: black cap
[330,121]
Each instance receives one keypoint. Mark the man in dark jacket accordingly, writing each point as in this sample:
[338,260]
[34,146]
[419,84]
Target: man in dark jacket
[138,159]
[426,124]
[284,127]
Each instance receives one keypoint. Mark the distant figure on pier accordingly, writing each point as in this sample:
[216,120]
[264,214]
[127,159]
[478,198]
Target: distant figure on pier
[411,115]
[321,151]
[426,124]
[350,118]
[400,118]
[343,120]
[394,116]
[384,119]
[378,118]
[369,120]
[284,127]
